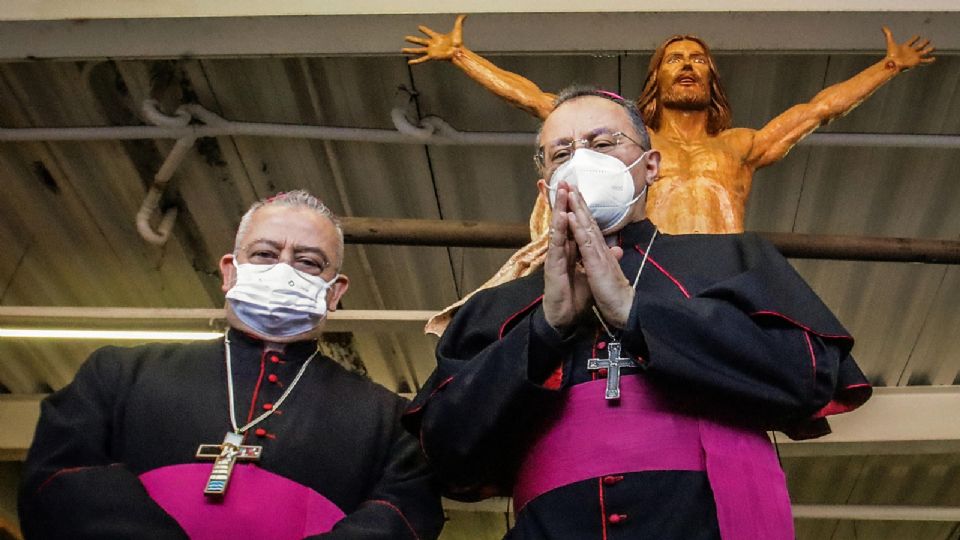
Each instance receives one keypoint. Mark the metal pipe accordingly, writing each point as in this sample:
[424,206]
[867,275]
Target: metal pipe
[425,232]
[445,132]
[874,140]
[441,133]
[435,131]
[434,232]
[152,113]
[208,117]
[865,248]
[405,126]
[151,203]
[104,133]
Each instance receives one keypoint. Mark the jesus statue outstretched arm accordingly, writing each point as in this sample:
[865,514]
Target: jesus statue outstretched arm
[519,91]
[772,142]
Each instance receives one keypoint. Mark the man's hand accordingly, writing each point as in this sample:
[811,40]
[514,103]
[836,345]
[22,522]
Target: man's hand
[438,46]
[612,292]
[909,53]
[566,293]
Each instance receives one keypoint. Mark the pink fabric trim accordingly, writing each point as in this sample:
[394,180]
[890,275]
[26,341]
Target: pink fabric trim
[799,325]
[258,504]
[834,407]
[748,485]
[503,327]
[664,272]
[433,393]
[813,357]
[603,510]
[840,406]
[256,389]
[71,470]
[393,507]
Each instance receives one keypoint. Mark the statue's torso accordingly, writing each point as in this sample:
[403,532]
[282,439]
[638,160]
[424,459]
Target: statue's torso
[703,185]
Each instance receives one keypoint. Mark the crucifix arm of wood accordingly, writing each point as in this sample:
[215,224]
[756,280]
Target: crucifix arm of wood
[772,142]
[517,90]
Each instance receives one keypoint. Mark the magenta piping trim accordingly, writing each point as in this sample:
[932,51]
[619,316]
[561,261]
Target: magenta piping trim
[71,470]
[839,407]
[664,272]
[256,391]
[433,393]
[799,325]
[603,510]
[503,327]
[393,507]
[813,357]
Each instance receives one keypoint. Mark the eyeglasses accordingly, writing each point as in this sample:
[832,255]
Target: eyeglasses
[311,261]
[560,153]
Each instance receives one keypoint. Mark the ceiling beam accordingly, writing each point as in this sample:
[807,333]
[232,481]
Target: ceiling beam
[344,320]
[499,505]
[896,421]
[73,35]
[18,416]
[140,9]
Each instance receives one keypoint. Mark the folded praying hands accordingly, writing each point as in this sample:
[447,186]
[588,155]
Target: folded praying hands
[580,269]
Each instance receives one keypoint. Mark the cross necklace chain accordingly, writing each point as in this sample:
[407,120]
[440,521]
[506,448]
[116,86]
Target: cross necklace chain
[614,362]
[232,449]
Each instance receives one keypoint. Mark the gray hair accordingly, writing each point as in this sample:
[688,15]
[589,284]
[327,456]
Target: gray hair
[293,199]
[573,92]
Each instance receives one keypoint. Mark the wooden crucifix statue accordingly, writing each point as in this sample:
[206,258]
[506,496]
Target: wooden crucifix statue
[707,166]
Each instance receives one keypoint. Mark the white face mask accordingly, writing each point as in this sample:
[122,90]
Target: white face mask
[275,300]
[604,182]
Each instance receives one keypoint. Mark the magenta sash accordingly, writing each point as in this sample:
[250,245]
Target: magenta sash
[592,437]
[258,504]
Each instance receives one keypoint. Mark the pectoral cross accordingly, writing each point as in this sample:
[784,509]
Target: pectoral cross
[224,457]
[613,362]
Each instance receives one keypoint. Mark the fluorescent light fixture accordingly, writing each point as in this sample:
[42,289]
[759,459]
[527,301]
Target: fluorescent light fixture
[139,335]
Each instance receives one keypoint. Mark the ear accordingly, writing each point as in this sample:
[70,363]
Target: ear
[544,192]
[337,290]
[228,271]
[651,167]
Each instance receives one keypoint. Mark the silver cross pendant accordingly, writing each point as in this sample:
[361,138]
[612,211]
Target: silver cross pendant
[612,363]
[224,457]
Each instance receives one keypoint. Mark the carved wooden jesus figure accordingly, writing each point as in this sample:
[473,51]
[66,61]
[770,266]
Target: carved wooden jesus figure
[707,166]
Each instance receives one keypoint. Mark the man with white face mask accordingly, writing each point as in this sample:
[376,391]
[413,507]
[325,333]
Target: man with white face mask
[623,390]
[253,436]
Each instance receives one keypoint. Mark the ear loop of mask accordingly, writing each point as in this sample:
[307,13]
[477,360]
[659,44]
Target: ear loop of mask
[644,190]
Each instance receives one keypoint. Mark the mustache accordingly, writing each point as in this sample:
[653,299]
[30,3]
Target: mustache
[687,72]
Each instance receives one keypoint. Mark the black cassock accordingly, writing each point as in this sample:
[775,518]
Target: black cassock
[134,417]
[722,326]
